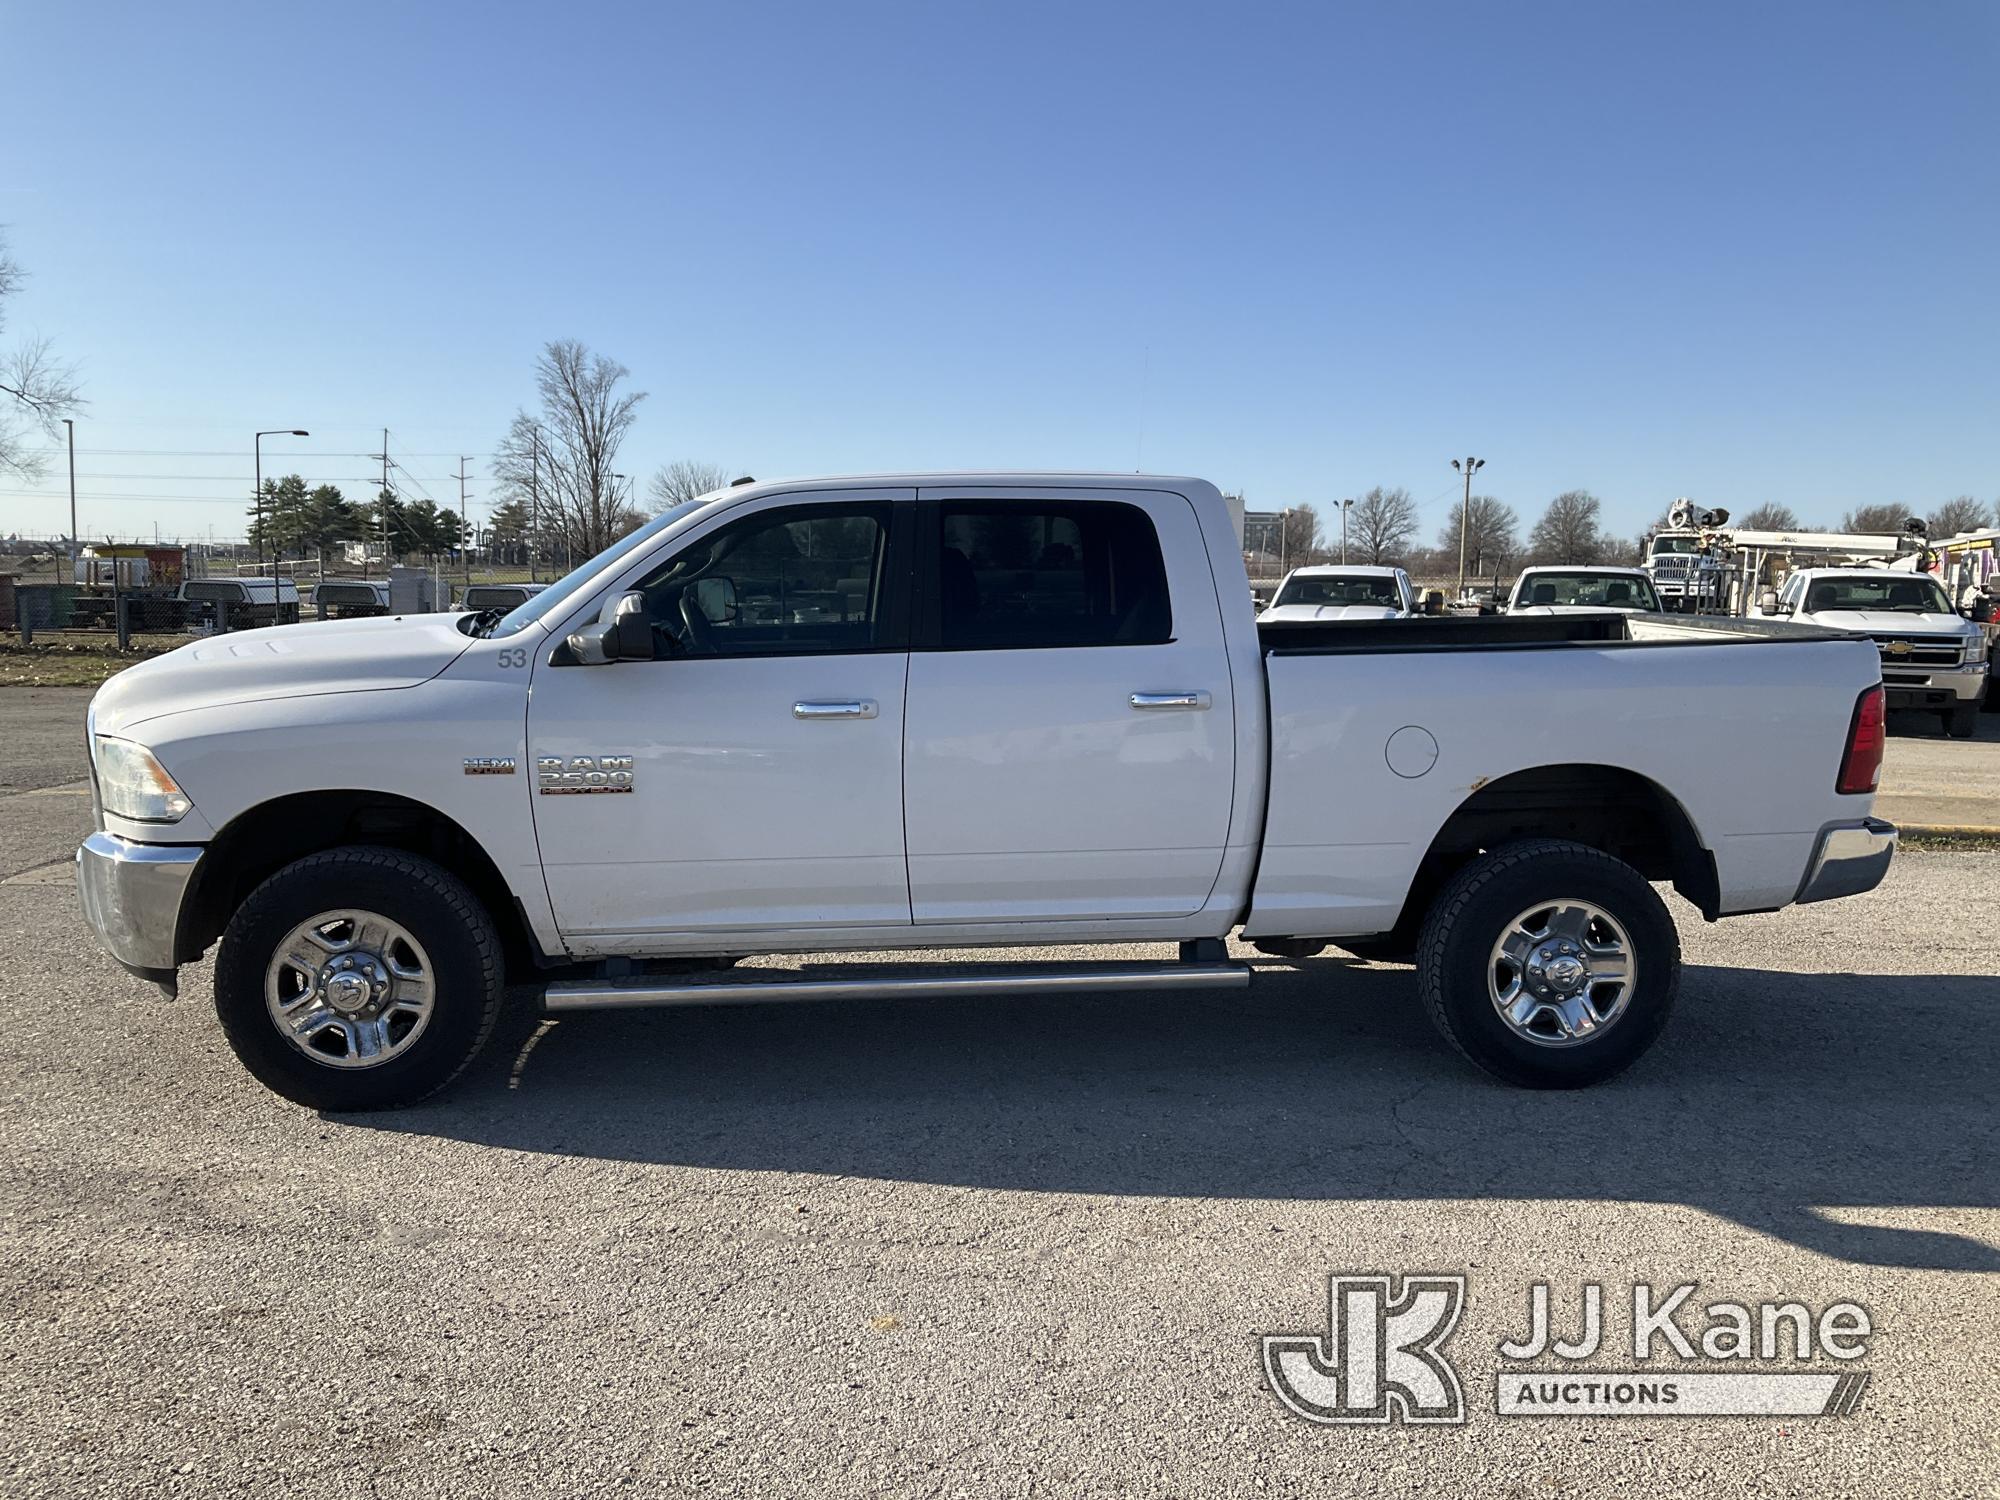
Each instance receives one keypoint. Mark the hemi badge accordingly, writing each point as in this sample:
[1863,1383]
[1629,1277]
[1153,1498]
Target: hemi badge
[489,765]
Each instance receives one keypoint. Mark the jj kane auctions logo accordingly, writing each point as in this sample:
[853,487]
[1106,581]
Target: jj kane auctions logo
[1382,1358]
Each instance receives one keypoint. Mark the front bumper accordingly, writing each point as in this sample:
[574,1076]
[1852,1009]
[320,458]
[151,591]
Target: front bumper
[1850,858]
[132,896]
[1939,689]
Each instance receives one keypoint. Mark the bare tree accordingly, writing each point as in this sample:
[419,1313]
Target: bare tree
[1954,516]
[37,390]
[1876,518]
[1383,524]
[1298,535]
[1771,516]
[1569,530]
[561,460]
[1491,535]
[682,480]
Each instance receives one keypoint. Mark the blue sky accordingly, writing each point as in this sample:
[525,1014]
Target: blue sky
[1739,252]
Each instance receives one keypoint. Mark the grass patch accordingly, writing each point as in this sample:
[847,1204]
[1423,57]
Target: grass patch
[75,659]
[1949,843]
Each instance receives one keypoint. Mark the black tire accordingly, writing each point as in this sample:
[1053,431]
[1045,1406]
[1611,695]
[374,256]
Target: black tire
[433,905]
[1961,719]
[1477,906]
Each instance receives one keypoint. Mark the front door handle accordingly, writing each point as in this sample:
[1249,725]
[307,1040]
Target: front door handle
[1158,701]
[845,708]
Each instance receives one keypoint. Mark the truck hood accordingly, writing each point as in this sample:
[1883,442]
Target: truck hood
[1891,621]
[284,661]
[1329,612]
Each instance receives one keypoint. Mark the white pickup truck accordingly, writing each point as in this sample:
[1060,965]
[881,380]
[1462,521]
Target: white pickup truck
[1932,656]
[1555,589]
[1335,591]
[942,711]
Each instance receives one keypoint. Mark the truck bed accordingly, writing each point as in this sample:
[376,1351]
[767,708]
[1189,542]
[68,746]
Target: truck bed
[1522,632]
[1379,731]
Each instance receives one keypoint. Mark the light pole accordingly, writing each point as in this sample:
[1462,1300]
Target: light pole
[71,425]
[1470,467]
[257,447]
[1345,507]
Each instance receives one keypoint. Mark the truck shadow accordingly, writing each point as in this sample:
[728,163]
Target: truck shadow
[1776,1100]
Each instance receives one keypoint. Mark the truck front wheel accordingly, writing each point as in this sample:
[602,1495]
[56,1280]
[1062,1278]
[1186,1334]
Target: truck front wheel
[1549,964]
[359,978]
[1961,719]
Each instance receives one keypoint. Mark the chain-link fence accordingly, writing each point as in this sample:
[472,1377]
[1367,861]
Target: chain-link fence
[201,587]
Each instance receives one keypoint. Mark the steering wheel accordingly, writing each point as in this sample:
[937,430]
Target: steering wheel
[700,633]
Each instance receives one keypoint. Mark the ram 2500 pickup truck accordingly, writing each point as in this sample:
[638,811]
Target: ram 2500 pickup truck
[941,711]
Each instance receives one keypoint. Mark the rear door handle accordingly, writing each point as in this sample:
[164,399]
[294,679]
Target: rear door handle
[846,708]
[1169,701]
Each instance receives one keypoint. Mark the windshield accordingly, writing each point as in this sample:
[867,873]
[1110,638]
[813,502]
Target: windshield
[1665,546]
[1912,593]
[1591,590]
[557,596]
[1339,589]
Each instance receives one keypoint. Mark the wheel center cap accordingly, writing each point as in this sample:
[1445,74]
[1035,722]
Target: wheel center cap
[1567,974]
[353,982]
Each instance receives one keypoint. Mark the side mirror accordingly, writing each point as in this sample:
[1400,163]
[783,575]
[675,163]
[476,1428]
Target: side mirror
[1767,602]
[623,632]
[716,598]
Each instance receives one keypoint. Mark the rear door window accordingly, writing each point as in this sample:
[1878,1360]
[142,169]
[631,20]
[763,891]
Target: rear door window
[1043,575]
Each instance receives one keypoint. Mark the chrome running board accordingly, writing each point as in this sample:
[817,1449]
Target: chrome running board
[899,982]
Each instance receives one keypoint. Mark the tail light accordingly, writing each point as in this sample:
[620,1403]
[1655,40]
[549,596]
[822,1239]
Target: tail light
[1861,763]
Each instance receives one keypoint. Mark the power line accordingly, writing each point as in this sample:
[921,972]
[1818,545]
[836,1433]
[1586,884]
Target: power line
[51,453]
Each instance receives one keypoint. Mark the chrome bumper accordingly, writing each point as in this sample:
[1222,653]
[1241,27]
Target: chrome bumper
[1851,858]
[132,899]
[1965,684]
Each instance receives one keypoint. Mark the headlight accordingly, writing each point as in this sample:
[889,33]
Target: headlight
[1978,648]
[135,785]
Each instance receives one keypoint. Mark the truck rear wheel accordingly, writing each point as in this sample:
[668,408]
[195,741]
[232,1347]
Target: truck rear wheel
[1549,964]
[360,978]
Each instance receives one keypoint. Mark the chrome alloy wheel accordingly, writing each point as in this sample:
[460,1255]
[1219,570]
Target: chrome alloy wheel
[1561,973]
[350,989]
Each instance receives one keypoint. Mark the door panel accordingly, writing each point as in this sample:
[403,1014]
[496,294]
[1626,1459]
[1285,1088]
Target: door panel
[765,784]
[1035,789]
[742,813]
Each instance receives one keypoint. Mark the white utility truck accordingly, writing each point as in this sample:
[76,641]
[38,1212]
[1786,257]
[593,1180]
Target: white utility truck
[1932,656]
[942,711]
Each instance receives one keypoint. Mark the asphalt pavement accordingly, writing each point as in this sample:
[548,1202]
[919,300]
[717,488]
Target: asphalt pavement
[1930,781]
[1008,1247]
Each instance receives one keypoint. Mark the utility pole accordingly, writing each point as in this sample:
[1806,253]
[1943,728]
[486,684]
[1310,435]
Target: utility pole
[464,530]
[1471,467]
[71,425]
[382,502]
[1345,507]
